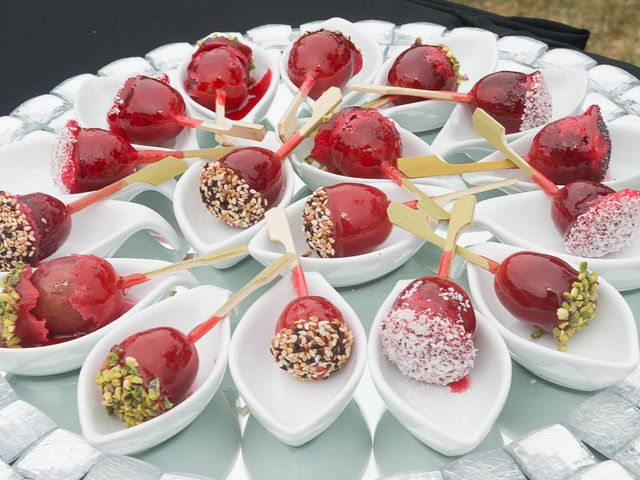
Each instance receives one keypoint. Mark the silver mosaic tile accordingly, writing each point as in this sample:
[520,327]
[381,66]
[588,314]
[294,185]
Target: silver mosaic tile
[406,34]
[168,56]
[12,129]
[21,425]
[550,453]
[61,455]
[490,465]
[182,476]
[40,110]
[8,473]
[630,100]
[68,89]
[379,30]
[271,36]
[7,395]
[414,476]
[609,110]
[521,49]
[608,470]
[117,467]
[629,388]
[629,456]
[566,58]
[58,123]
[611,81]
[127,67]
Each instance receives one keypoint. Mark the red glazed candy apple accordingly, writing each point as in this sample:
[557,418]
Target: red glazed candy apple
[548,293]
[147,374]
[242,185]
[594,219]
[356,142]
[220,64]
[428,332]
[327,56]
[312,340]
[346,219]
[145,109]
[33,227]
[427,67]
[572,148]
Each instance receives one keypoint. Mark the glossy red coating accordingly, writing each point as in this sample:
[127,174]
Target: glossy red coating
[356,141]
[77,294]
[144,110]
[530,286]
[50,219]
[573,148]
[426,67]
[30,330]
[359,216]
[574,199]
[166,354]
[329,57]
[443,297]
[303,308]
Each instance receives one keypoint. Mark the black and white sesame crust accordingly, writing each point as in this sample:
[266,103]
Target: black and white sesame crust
[314,350]
[229,197]
[18,241]
[319,231]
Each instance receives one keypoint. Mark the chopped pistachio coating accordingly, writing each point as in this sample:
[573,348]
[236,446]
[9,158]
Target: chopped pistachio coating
[9,300]
[124,393]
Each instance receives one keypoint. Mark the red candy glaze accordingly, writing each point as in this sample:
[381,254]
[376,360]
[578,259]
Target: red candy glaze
[356,142]
[573,200]
[519,101]
[88,159]
[144,111]
[77,294]
[30,330]
[50,219]
[220,65]
[530,285]
[306,307]
[425,67]
[573,148]
[329,57]
[166,354]
[442,297]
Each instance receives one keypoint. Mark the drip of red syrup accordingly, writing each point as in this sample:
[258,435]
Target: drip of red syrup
[460,386]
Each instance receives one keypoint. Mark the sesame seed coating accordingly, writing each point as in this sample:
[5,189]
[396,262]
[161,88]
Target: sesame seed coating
[18,238]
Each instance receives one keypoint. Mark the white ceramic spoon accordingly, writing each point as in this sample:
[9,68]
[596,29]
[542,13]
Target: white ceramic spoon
[200,227]
[524,220]
[623,170]
[477,52]
[568,87]
[596,357]
[450,423]
[183,312]
[66,356]
[369,48]
[291,410]
[95,97]
[26,168]
[262,62]
[412,146]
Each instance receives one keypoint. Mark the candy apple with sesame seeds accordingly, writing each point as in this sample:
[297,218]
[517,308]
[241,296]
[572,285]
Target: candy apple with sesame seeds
[593,219]
[428,334]
[536,288]
[519,101]
[34,226]
[312,340]
[149,372]
[72,296]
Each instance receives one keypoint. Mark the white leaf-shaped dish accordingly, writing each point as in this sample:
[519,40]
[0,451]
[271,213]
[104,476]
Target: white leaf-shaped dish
[399,247]
[412,146]
[95,98]
[622,173]
[477,53]
[183,312]
[450,423]
[26,168]
[524,220]
[369,48]
[292,410]
[200,227]
[568,87]
[262,62]
[69,355]
[596,357]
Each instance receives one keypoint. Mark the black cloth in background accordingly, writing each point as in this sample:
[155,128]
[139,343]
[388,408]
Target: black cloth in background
[44,42]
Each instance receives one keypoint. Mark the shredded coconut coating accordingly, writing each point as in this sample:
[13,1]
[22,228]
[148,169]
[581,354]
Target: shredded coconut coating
[607,226]
[537,104]
[427,347]
[62,158]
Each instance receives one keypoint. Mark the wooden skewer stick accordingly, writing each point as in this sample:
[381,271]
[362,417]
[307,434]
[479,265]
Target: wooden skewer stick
[433,166]
[411,92]
[461,218]
[287,124]
[486,187]
[221,121]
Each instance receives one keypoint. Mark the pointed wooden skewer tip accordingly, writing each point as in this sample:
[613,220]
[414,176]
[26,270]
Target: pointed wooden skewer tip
[461,218]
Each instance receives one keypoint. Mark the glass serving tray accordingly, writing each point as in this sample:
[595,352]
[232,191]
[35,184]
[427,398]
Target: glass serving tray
[366,441]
